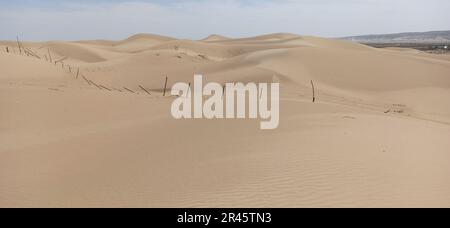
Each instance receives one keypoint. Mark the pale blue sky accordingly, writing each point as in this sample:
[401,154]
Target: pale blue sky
[195,19]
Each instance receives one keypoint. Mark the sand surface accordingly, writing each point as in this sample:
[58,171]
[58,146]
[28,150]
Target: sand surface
[378,135]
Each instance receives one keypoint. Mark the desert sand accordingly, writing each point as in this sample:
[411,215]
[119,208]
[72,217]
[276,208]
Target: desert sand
[83,133]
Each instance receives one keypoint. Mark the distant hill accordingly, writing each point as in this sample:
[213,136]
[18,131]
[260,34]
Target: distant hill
[410,37]
[215,37]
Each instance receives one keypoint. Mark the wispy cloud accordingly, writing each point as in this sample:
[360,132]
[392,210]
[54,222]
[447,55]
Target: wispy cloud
[198,18]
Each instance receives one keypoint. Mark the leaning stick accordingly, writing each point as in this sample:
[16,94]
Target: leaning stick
[18,44]
[114,88]
[165,87]
[95,84]
[27,52]
[78,72]
[104,87]
[86,79]
[60,60]
[49,55]
[144,89]
[314,91]
[32,53]
[260,93]
[129,90]
[189,90]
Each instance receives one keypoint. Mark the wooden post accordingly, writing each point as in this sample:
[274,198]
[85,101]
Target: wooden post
[61,60]
[18,44]
[260,94]
[145,90]
[49,55]
[104,87]
[189,90]
[93,83]
[78,72]
[7,50]
[314,91]
[30,52]
[129,90]
[86,79]
[165,87]
[115,89]
[70,69]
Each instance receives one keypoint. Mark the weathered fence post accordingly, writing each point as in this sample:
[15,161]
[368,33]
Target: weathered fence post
[104,87]
[260,93]
[88,82]
[189,90]
[223,90]
[129,90]
[145,90]
[165,87]
[18,44]
[49,55]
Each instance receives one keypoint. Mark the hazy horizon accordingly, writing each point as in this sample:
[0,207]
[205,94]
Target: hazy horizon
[197,19]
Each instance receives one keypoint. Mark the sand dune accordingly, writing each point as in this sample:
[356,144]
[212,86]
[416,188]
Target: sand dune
[83,131]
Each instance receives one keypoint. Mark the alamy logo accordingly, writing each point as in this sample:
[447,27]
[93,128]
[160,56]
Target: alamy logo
[229,101]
